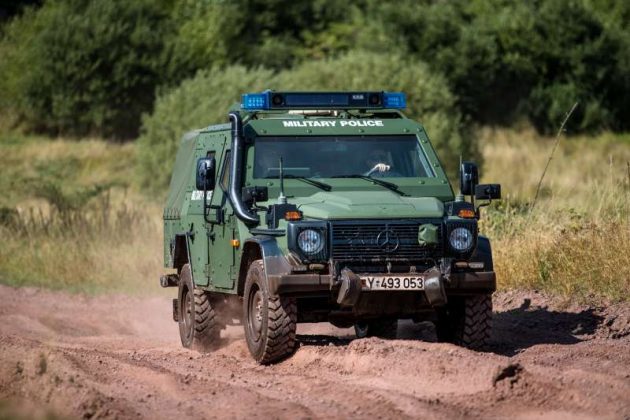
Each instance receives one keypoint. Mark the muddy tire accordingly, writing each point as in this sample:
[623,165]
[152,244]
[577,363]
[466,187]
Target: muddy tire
[466,321]
[269,321]
[381,328]
[199,328]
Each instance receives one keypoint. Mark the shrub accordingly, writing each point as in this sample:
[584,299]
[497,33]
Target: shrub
[81,67]
[197,102]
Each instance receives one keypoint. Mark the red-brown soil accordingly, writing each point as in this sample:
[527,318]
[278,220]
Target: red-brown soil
[120,357]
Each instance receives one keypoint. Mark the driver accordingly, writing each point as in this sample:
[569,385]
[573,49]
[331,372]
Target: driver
[378,162]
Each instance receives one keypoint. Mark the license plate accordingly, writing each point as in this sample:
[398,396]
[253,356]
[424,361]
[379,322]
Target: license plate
[392,283]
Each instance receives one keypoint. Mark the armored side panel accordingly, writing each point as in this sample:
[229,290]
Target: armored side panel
[189,236]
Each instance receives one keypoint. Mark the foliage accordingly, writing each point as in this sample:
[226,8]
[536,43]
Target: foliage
[196,103]
[76,67]
[506,60]
[81,67]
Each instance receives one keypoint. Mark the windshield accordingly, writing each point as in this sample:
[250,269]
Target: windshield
[341,156]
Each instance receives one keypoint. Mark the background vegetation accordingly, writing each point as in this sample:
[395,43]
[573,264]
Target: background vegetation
[94,96]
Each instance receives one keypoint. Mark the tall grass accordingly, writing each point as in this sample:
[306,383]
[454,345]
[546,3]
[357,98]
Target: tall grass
[576,241]
[73,221]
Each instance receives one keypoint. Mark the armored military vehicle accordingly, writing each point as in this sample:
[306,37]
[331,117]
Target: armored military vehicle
[323,207]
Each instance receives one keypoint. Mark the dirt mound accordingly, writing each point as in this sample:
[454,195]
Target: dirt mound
[120,357]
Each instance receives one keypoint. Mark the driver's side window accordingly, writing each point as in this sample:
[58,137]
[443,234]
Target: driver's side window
[225,171]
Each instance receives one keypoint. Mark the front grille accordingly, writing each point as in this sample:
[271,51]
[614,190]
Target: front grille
[382,241]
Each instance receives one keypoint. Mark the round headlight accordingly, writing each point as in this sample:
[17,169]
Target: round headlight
[310,241]
[461,239]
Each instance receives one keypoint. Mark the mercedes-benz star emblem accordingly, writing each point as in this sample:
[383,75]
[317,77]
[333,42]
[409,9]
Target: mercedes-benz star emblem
[388,241]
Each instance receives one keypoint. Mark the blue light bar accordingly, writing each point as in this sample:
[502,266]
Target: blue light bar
[270,100]
[394,100]
[255,101]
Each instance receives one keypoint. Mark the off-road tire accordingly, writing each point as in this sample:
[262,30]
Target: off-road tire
[381,328]
[199,328]
[466,321]
[269,321]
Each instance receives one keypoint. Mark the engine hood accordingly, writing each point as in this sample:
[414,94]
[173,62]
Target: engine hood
[368,205]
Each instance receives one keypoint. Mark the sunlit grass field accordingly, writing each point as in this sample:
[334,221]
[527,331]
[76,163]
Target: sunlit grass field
[72,218]
[575,240]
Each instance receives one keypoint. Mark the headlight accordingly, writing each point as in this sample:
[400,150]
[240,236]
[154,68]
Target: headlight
[310,241]
[461,239]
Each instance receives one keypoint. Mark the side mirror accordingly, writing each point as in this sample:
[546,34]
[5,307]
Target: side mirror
[488,192]
[468,177]
[206,173]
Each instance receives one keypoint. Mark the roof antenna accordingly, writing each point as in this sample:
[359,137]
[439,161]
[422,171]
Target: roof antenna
[282,199]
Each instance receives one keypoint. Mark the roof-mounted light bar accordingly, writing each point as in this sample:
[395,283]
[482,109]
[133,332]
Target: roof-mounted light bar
[270,100]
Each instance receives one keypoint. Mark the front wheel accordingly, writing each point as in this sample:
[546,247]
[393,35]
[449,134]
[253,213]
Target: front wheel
[382,328]
[269,321]
[466,321]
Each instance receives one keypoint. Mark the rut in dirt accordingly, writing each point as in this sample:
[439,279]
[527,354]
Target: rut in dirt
[117,356]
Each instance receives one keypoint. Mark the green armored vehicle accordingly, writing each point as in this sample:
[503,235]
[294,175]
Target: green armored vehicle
[323,207]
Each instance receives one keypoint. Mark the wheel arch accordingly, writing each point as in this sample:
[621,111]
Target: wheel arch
[483,253]
[267,249]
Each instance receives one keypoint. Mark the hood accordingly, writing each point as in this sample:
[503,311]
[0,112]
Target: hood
[368,205]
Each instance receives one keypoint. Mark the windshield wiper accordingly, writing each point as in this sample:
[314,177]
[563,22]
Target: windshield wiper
[311,181]
[389,185]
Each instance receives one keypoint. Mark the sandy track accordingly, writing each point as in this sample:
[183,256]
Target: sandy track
[116,356]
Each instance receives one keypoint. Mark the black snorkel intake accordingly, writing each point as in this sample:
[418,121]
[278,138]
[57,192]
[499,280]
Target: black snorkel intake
[236,171]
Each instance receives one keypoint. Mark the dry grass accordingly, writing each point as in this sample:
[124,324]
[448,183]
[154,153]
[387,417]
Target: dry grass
[576,240]
[70,218]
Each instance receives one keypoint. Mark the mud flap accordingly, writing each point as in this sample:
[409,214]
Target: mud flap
[175,311]
[350,288]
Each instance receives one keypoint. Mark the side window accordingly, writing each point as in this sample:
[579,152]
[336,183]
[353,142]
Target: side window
[225,171]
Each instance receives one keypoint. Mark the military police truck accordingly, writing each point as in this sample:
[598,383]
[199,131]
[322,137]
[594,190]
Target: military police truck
[323,207]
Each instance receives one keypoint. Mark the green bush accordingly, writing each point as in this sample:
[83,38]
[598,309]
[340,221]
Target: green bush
[196,103]
[269,33]
[508,60]
[84,67]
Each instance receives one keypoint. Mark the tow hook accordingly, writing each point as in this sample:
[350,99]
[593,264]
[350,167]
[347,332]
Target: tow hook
[350,288]
[434,287]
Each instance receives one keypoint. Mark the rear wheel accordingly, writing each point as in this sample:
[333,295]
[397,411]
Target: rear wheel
[382,328]
[466,321]
[270,321]
[198,325]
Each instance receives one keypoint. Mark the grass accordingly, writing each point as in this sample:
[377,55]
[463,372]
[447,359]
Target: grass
[575,242]
[72,220]
[70,217]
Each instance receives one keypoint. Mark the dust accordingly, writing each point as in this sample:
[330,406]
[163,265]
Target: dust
[120,357]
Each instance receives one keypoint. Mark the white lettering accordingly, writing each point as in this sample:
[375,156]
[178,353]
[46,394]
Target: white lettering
[324,123]
[198,195]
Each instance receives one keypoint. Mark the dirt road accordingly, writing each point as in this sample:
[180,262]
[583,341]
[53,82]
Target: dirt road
[120,357]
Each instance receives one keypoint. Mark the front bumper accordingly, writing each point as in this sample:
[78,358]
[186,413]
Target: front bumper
[460,283]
